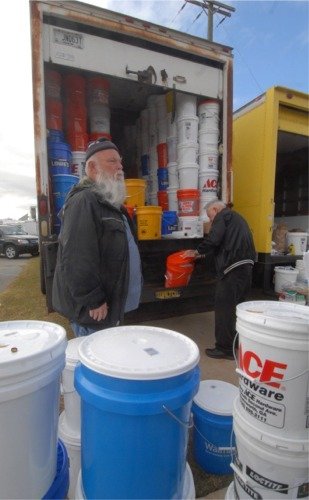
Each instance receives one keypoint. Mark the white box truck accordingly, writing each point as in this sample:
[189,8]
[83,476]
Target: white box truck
[138,59]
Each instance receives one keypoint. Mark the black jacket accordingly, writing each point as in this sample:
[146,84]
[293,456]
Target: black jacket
[230,240]
[92,261]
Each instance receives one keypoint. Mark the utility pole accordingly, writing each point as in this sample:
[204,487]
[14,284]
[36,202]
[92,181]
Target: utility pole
[211,7]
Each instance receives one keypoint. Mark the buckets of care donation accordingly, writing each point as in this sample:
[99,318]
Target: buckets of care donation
[212,433]
[296,243]
[178,269]
[32,357]
[148,222]
[273,369]
[267,466]
[285,276]
[136,385]
[135,189]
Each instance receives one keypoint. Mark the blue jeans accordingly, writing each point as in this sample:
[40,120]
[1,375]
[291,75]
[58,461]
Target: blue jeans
[80,331]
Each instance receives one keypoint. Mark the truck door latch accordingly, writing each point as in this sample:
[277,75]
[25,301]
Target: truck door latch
[144,76]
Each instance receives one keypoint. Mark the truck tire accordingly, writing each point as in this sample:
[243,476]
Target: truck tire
[11,252]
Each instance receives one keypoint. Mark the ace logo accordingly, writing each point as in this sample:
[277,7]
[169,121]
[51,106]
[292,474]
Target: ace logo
[267,371]
[211,183]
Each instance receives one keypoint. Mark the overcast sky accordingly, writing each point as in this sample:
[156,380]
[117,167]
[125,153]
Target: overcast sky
[269,38]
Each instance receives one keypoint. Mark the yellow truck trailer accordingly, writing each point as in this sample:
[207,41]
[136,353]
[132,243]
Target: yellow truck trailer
[270,168]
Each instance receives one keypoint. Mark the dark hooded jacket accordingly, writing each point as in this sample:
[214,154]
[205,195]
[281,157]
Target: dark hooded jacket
[93,258]
[230,240]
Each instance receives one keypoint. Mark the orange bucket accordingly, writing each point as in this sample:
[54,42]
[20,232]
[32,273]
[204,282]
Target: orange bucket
[53,114]
[98,90]
[188,202]
[74,83]
[163,199]
[178,269]
[78,141]
[162,155]
[130,210]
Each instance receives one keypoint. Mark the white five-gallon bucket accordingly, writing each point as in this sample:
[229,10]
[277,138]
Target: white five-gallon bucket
[173,180]
[296,243]
[273,367]
[285,276]
[172,198]
[78,163]
[208,160]
[208,181]
[188,175]
[267,466]
[32,357]
[187,152]
[185,104]
[208,140]
[71,441]
[187,128]
[192,226]
[171,149]
[70,395]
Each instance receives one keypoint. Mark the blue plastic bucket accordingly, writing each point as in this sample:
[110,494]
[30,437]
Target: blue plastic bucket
[55,136]
[162,174]
[145,164]
[169,222]
[61,185]
[60,486]
[59,157]
[213,440]
[136,385]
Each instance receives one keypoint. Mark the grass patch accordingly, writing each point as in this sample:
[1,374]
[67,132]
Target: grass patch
[23,299]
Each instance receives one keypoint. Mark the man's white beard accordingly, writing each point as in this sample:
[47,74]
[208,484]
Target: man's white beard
[111,189]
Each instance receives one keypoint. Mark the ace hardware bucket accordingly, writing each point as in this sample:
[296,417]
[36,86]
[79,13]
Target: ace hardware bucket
[273,367]
[267,466]
[213,424]
[136,385]
[32,357]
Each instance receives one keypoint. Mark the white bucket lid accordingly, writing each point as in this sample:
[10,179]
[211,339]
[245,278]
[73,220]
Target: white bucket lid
[27,345]
[216,396]
[139,353]
[280,315]
[71,353]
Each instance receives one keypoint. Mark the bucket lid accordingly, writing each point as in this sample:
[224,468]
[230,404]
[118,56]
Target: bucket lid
[216,396]
[27,345]
[280,315]
[139,353]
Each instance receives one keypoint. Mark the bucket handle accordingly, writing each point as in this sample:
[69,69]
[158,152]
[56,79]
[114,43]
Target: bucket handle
[187,425]
[230,448]
[256,380]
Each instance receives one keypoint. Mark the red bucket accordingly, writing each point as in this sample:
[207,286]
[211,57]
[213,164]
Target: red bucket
[78,141]
[162,155]
[178,269]
[53,114]
[163,199]
[188,202]
[98,90]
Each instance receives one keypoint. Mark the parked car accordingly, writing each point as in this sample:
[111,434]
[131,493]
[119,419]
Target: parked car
[14,241]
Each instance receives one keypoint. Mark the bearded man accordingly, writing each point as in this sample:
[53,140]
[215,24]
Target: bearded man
[98,272]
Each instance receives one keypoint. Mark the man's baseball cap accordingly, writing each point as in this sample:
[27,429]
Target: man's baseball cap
[99,145]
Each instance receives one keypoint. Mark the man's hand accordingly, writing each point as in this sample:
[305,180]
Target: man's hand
[191,253]
[99,313]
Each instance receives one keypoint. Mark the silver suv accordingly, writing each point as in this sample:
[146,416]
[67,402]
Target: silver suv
[14,241]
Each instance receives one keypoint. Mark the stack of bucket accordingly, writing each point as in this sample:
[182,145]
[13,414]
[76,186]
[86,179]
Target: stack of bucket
[76,120]
[136,385]
[99,111]
[153,184]
[69,429]
[208,113]
[33,462]
[187,166]
[162,172]
[270,418]
[171,141]
[54,111]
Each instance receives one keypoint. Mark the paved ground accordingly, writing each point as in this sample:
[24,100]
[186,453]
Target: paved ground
[10,268]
